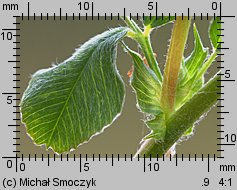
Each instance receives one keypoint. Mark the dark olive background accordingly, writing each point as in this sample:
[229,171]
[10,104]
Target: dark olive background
[48,42]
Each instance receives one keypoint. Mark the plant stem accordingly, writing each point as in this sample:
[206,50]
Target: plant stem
[145,43]
[175,54]
[143,38]
[183,118]
[132,24]
[151,147]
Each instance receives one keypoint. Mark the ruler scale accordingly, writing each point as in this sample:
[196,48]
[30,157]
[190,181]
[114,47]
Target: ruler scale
[26,170]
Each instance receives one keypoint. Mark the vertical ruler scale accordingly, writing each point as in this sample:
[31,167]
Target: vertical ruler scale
[17,79]
[219,125]
[45,169]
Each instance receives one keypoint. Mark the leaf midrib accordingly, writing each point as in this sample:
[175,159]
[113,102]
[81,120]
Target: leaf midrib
[65,104]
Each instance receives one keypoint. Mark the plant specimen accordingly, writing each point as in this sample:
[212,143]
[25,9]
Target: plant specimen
[64,106]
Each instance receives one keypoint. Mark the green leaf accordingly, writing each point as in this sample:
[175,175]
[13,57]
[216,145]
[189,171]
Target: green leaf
[192,110]
[157,126]
[158,21]
[148,89]
[183,118]
[198,56]
[146,85]
[188,132]
[187,83]
[66,105]
[187,90]
[215,32]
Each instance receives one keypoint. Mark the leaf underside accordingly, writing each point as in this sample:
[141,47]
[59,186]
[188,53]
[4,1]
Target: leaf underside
[146,85]
[148,89]
[66,105]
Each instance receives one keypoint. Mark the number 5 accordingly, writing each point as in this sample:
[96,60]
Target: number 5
[150,5]
[9,100]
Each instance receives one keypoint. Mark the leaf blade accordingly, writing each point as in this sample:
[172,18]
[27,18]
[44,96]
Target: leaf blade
[158,127]
[146,85]
[63,106]
[187,83]
[199,54]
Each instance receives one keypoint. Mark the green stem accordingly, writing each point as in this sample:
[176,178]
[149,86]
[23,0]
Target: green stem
[175,54]
[183,118]
[143,38]
[132,24]
[151,147]
[145,43]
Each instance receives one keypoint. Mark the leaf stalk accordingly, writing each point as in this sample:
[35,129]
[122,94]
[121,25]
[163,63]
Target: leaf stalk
[172,67]
[143,38]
